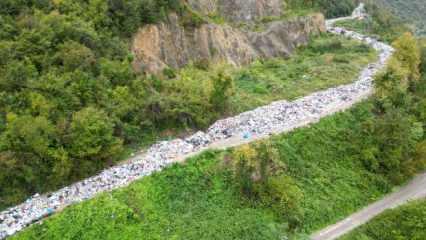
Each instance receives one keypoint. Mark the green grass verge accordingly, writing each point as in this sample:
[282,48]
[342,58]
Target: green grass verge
[406,222]
[199,199]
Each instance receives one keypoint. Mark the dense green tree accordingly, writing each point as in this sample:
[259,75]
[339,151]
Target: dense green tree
[91,136]
[31,158]
[72,56]
[408,54]
[398,127]
[16,75]
[260,175]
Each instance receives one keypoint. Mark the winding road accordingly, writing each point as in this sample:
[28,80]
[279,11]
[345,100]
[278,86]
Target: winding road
[416,189]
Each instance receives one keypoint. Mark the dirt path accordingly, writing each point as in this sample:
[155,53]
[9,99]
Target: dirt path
[416,189]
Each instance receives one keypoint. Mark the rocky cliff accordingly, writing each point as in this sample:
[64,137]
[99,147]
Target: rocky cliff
[169,44]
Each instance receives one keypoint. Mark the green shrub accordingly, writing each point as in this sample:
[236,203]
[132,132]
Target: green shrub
[254,166]
[169,73]
[260,176]
[284,197]
[202,64]
[326,45]
[223,89]
[191,19]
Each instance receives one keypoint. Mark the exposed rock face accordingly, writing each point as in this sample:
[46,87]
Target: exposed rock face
[282,37]
[239,10]
[169,44]
[158,46]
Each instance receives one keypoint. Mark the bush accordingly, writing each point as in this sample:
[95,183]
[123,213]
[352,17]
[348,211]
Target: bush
[223,89]
[326,46]
[91,135]
[254,165]
[260,175]
[285,198]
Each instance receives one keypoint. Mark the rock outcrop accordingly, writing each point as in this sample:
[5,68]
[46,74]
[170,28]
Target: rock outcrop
[169,44]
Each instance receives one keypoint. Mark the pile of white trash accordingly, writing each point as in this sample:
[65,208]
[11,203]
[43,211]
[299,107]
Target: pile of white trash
[277,117]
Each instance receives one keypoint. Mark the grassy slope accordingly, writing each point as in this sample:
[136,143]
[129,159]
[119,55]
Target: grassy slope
[199,200]
[406,222]
[328,61]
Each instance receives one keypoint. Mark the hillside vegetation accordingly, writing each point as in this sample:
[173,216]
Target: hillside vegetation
[412,11]
[404,223]
[388,19]
[284,187]
[70,103]
[380,23]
